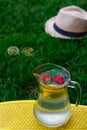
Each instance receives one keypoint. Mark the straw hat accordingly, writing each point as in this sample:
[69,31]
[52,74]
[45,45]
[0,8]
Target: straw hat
[70,22]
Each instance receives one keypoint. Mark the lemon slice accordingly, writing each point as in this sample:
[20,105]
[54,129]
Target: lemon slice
[27,51]
[13,50]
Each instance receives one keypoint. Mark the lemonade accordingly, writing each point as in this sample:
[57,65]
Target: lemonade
[53,108]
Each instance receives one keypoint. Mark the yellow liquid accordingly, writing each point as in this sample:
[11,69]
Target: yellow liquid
[53,106]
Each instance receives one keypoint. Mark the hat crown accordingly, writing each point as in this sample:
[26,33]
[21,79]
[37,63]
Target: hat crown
[75,11]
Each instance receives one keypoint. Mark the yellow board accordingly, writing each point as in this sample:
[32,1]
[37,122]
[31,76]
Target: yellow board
[18,115]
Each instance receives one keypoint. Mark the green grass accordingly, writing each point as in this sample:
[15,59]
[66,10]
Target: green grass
[22,25]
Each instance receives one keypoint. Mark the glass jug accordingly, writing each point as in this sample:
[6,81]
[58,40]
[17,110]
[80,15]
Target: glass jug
[52,108]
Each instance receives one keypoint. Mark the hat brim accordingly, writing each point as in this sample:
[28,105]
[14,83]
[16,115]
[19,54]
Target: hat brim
[50,29]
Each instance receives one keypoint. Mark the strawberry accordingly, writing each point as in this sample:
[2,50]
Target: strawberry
[59,79]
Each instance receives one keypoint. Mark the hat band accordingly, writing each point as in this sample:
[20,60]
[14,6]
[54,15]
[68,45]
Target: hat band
[68,34]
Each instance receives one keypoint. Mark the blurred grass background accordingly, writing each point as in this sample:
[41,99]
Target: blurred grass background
[22,25]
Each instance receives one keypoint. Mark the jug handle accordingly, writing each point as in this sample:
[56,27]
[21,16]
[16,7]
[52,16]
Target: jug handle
[76,85]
